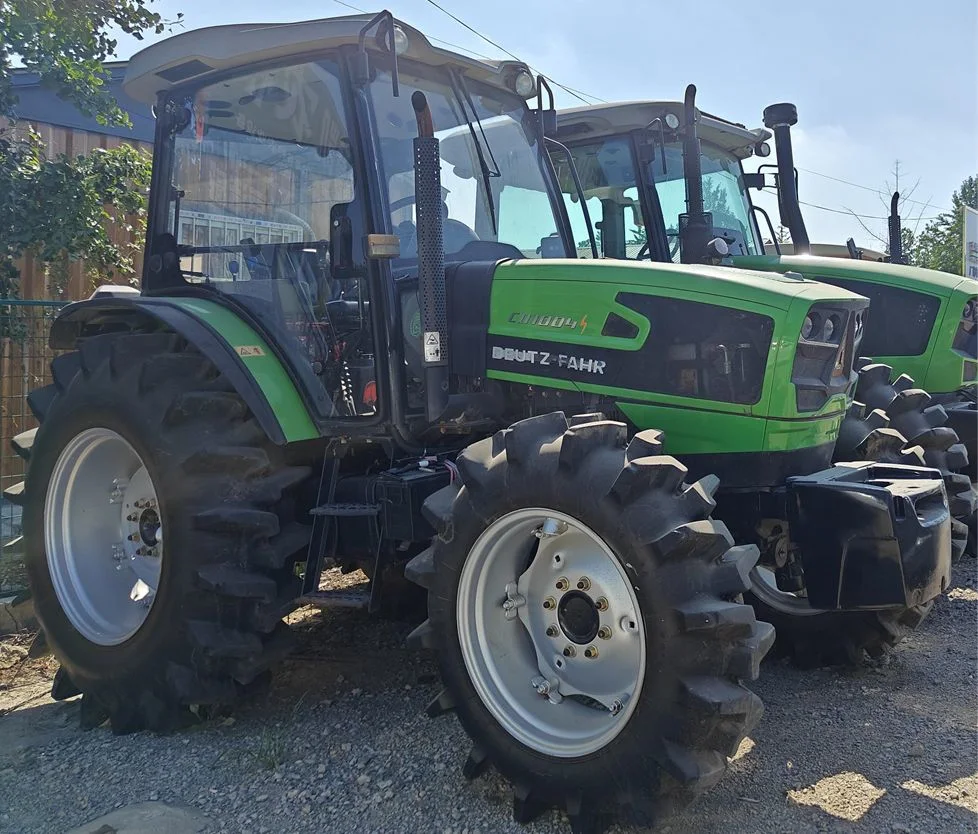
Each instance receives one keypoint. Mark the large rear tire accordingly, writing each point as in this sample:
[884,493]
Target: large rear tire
[585,613]
[160,533]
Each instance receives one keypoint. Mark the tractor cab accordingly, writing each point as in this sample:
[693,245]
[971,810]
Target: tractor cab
[284,188]
[631,162]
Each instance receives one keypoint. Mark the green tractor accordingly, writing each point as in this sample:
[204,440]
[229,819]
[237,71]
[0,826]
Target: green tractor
[362,341]
[650,169]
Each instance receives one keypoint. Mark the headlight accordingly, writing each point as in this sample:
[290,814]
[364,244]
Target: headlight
[808,326]
[831,326]
[523,84]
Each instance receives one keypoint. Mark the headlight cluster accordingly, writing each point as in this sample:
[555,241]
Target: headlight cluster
[966,336]
[829,336]
[822,327]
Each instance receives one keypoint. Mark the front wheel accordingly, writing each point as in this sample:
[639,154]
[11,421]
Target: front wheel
[812,637]
[585,614]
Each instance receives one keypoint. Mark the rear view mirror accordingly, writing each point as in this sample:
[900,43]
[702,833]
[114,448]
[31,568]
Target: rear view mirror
[754,181]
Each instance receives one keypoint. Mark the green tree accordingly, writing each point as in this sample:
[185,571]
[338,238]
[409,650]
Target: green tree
[940,244]
[59,209]
[66,42]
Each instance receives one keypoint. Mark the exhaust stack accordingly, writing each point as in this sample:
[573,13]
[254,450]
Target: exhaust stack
[431,260]
[895,230]
[696,225]
[779,119]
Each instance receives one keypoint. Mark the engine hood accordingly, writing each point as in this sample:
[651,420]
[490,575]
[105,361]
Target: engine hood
[773,289]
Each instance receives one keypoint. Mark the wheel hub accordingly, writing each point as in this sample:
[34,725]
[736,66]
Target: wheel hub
[149,526]
[578,617]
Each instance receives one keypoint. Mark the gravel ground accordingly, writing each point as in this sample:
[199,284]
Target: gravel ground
[341,743]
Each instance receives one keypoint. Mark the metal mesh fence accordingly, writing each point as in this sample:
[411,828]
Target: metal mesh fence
[25,364]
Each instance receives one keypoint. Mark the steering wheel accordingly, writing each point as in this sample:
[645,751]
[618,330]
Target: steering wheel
[456,233]
[673,247]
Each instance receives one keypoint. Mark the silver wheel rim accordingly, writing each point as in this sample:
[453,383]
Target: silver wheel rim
[103,537]
[534,586]
[765,587]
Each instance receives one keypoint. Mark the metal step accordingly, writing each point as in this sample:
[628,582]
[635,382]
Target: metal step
[364,510]
[341,598]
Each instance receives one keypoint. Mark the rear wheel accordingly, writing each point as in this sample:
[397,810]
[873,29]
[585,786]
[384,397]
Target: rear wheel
[161,533]
[584,612]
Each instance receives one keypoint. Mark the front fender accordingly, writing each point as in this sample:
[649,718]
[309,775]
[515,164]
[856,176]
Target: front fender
[235,348]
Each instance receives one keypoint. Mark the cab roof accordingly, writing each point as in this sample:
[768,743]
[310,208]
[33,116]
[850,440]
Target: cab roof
[601,120]
[183,58]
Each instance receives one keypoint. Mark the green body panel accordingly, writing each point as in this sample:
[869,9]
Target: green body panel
[584,292]
[262,364]
[940,368]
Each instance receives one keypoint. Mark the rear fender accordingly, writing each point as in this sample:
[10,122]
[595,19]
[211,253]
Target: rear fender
[236,349]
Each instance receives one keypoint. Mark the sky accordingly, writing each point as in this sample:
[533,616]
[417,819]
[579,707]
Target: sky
[874,81]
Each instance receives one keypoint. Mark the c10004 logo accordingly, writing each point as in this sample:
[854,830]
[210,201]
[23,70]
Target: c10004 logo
[552,360]
[549,321]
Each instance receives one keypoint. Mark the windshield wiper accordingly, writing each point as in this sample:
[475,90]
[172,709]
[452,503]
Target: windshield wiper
[487,172]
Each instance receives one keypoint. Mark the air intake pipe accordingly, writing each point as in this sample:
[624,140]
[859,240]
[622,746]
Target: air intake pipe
[696,225]
[431,260]
[779,119]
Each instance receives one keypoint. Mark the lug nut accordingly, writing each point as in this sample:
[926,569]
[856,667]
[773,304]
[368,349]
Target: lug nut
[583,583]
[562,584]
[602,604]
[549,603]
[551,631]
[132,517]
[134,537]
[569,651]
[590,651]
[604,633]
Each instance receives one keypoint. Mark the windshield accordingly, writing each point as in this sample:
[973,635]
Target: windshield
[724,194]
[502,211]
[611,178]
[259,172]
[608,178]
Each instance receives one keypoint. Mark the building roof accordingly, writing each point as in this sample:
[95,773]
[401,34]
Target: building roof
[38,103]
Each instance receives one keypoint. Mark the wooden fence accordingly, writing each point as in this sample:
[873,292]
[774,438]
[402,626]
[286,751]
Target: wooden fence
[35,282]
[24,353]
